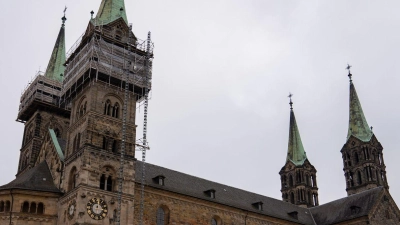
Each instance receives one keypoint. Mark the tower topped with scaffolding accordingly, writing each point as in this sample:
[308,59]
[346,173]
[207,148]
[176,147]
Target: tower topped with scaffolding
[83,110]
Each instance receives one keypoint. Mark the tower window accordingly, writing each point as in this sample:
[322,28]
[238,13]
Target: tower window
[115,112]
[107,108]
[114,146]
[109,183]
[290,181]
[292,198]
[102,182]
[1,206]
[359,178]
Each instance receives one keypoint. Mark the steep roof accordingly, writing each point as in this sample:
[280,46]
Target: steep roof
[347,208]
[58,143]
[358,126]
[196,187]
[295,153]
[110,10]
[36,179]
[55,68]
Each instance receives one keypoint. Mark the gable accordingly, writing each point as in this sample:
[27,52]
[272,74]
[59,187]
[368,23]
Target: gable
[385,211]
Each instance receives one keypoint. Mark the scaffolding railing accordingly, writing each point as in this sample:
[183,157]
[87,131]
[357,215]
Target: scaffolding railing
[110,60]
[42,89]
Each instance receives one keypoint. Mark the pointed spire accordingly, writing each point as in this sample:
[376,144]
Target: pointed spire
[296,152]
[110,10]
[358,126]
[55,68]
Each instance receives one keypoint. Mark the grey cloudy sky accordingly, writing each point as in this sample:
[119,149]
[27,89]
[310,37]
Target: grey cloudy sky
[222,71]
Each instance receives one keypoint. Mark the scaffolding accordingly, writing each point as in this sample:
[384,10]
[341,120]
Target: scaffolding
[41,91]
[103,56]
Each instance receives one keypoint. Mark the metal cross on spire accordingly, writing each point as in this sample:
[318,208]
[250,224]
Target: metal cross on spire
[348,68]
[290,103]
[64,18]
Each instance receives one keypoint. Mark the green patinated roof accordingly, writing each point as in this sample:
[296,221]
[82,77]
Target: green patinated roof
[55,68]
[358,126]
[56,144]
[296,153]
[110,10]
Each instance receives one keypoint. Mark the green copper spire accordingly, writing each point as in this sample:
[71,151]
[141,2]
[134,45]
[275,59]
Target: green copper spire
[110,10]
[55,68]
[296,153]
[358,126]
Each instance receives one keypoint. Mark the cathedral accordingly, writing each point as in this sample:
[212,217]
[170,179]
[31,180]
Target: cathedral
[77,163]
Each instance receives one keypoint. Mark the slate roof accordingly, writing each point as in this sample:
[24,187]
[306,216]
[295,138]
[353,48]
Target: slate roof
[341,209]
[36,179]
[195,187]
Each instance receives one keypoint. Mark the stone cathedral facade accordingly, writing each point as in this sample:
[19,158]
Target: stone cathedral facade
[73,117]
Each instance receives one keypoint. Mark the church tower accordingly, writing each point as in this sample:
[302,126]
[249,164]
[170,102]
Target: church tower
[39,106]
[298,176]
[363,163]
[107,73]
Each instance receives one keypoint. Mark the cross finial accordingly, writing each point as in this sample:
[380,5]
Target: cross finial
[290,102]
[350,75]
[91,13]
[64,18]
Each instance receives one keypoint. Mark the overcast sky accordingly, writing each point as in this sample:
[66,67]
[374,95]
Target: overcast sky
[222,72]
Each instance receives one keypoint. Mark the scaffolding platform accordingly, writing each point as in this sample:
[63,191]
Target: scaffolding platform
[41,92]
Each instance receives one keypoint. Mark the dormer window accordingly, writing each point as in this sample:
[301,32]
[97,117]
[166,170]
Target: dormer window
[159,180]
[258,205]
[294,214]
[210,193]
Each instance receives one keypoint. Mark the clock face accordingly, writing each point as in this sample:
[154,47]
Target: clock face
[71,210]
[97,208]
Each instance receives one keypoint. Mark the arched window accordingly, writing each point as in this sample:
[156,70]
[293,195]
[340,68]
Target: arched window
[7,207]
[114,146]
[40,208]
[290,181]
[102,181]
[160,216]
[307,179]
[292,198]
[25,207]
[115,112]
[106,179]
[105,143]
[1,206]
[107,108]
[356,158]
[310,201]
[359,178]
[33,208]
[78,141]
[312,181]
[72,179]
[214,221]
